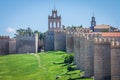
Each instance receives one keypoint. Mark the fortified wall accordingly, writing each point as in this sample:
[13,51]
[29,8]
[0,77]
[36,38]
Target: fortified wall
[27,43]
[49,41]
[12,46]
[55,40]
[4,43]
[97,54]
[60,40]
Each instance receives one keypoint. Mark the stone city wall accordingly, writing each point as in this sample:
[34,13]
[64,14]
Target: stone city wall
[96,55]
[60,40]
[27,44]
[4,43]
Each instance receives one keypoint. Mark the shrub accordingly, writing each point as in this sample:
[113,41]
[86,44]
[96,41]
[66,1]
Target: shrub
[70,68]
[69,59]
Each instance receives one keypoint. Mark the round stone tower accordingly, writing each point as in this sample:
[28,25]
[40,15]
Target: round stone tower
[88,55]
[101,59]
[59,40]
[69,42]
[77,50]
[115,60]
[81,56]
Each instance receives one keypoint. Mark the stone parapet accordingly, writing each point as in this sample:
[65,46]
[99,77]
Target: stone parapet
[115,45]
[4,37]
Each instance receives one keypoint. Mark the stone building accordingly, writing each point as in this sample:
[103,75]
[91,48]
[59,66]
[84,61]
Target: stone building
[104,28]
[27,43]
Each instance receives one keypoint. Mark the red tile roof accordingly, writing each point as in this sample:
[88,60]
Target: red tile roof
[110,34]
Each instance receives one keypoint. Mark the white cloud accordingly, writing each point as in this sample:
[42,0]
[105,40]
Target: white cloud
[10,30]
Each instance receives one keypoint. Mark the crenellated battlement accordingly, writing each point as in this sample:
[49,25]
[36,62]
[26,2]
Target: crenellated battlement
[115,44]
[101,41]
[60,31]
[83,35]
[4,37]
[76,34]
[82,30]
[26,35]
[70,32]
[12,39]
[89,36]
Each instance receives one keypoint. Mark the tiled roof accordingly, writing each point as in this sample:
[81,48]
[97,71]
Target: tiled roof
[103,26]
[110,34]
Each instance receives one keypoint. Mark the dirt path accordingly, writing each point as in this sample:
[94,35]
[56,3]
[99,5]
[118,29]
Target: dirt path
[38,59]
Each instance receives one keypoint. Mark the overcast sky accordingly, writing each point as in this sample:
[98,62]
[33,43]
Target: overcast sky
[15,14]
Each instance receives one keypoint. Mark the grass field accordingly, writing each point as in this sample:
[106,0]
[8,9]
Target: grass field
[42,66]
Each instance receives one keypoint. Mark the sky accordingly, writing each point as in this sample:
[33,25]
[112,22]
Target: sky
[15,14]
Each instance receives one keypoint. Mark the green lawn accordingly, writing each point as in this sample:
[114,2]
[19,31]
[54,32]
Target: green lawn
[36,67]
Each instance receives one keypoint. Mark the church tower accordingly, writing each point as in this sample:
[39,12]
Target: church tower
[54,21]
[93,23]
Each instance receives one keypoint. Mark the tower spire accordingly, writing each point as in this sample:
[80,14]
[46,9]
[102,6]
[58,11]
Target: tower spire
[54,7]
[93,22]
[93,14]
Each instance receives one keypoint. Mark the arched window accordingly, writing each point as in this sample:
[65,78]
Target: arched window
[58,24]
[50,24]
[54,15]
[54,24]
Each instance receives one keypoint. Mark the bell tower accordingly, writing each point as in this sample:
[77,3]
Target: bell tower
[93,23]
[54,21]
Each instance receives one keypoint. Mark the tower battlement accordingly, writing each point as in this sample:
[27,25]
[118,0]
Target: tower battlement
[70,32]
[60,30]
[54,21]
[115,44]
[76,34]
[82,35]
[4,37]
[101,41]
[12,39]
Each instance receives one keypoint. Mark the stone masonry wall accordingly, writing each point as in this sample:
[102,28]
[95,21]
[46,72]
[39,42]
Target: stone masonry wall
[69,42]
[49,41]
[12,46]
[115,60]
[102,67]
[27,44]
[89,56]
[76,50]
[4,43]
[60,40]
